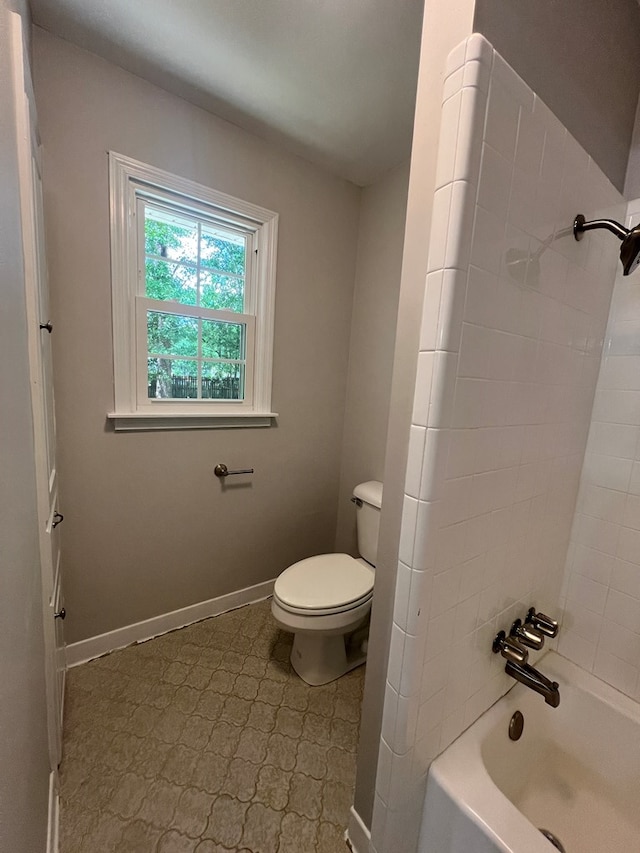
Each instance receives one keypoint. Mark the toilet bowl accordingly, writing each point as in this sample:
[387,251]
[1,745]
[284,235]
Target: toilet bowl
[324,600]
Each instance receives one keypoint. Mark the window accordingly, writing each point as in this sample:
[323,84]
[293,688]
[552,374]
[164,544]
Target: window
[193,288]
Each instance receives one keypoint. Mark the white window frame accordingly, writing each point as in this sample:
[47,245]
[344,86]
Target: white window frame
[129,182]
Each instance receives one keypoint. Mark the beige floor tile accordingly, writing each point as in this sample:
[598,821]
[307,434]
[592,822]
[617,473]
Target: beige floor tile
[159,803]
[246,686]
[175,842]
[226,821]
[261,829]
[344,734]
[317,729]
[311,759]
[169,725]
[331,839]
[204,740]
[236,710]
[161,695]
[336,801]
[281,751]
[138,837]
[289,722]
[305,796]
[341,766]
[105,834]
[192,812]
[210,772]
[224,738]
[262,716]
[297,834]
[252,745]
[196,732]
[187,697]
[241,780]
[180,764]
[207,846]
[272,787]
[222,681]
[271,692]
[128,796]
[142,721]
[210,704]
[151,757]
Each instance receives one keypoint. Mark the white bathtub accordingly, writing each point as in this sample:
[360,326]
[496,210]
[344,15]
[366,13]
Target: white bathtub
[575,771]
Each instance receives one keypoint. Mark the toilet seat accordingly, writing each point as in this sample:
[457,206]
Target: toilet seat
[324,585]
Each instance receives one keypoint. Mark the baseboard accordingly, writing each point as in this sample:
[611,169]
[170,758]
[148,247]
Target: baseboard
[357,835]
[54,814]
[94,647]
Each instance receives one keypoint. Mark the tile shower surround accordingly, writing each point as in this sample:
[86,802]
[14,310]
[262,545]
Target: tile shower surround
[205,741]
[514,316]
[601,625]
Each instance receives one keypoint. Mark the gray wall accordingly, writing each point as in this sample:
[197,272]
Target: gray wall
[582,59]
[23,734]
[632,180]
[148,528]
[375,307]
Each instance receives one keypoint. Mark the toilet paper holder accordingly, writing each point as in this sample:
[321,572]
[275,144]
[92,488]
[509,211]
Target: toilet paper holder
[221,470]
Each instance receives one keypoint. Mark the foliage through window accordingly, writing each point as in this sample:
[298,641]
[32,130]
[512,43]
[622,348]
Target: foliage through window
[198,270]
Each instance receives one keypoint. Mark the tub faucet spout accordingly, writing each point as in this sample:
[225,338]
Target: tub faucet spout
[530,677]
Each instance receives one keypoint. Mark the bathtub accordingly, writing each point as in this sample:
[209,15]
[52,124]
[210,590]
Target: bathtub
[575,772]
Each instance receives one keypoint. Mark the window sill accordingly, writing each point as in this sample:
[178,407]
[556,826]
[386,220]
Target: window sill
[145,421]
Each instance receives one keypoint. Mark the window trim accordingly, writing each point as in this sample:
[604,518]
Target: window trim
[130,180]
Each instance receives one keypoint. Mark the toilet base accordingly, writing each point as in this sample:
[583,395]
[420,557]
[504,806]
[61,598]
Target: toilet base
[320,658]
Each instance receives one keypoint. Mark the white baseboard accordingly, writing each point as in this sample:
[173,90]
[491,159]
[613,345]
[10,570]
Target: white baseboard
[54,814]
[94,647]
[357,835]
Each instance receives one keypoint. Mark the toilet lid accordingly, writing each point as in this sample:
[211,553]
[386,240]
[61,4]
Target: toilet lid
[324,582]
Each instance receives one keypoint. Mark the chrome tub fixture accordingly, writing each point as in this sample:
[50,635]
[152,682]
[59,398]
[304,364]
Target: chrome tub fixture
[630,248]
[532,678]
[531,633]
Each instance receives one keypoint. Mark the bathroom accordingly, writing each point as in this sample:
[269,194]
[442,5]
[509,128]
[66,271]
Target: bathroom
[107,476]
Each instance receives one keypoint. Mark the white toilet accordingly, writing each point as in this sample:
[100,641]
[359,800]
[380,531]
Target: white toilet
[323,600]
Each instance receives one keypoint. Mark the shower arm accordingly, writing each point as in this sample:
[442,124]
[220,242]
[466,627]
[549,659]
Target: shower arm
[580,225]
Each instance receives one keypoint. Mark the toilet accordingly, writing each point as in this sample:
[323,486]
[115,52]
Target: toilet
[324,600]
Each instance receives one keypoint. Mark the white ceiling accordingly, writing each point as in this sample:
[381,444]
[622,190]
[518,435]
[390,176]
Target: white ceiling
[332,80]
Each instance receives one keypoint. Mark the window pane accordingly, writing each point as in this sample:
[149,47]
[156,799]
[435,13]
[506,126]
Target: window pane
[222,250]
[164,280]
[170,235]
[223,381]
[169,334]
[221,292]
[172,379]
[222,340]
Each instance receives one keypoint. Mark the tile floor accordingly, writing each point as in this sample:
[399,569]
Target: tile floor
[205,741]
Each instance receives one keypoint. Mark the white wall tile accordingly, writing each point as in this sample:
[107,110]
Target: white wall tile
[501,127]
[448,138]
[514,319]
[431,310]
[424,378]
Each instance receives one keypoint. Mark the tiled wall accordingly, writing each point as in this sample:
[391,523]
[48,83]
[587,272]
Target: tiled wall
[601,626]
[515,312]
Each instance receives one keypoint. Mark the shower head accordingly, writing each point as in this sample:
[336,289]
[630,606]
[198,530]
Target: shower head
[630,248]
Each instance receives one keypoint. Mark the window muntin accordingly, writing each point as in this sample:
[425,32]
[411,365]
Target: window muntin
[193,281]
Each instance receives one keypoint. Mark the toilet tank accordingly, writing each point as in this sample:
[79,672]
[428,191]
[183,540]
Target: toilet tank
[368,500]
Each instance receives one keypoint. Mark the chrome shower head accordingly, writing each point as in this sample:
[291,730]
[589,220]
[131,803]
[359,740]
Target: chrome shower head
[630,248]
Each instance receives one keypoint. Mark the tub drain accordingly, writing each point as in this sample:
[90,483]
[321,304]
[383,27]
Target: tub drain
[552,838]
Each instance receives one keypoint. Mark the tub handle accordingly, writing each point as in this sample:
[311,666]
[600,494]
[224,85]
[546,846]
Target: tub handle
[527,635]
[509,648]
[545,624]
